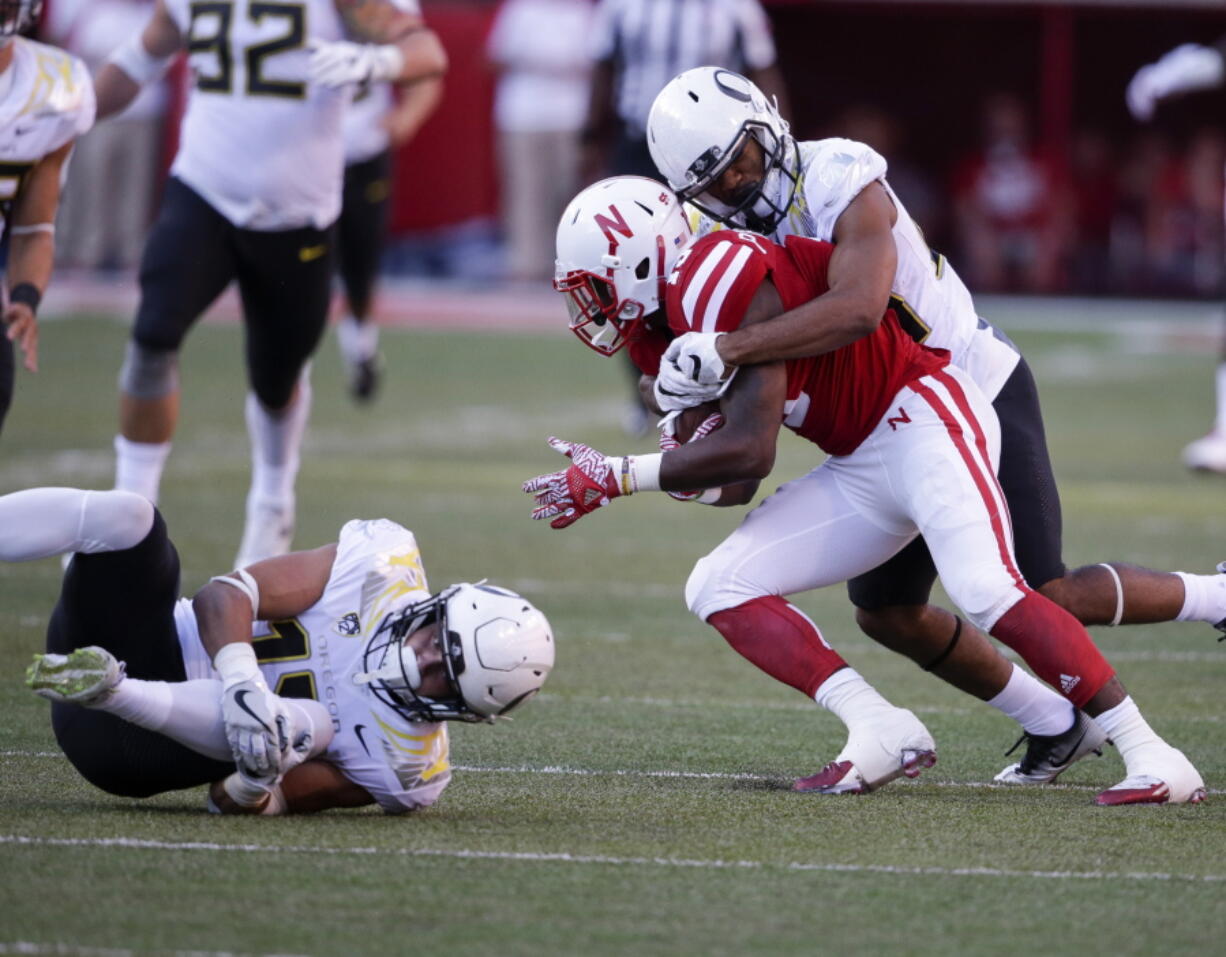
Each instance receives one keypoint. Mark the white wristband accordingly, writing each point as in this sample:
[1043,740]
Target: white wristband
[388,63]
[645,471]
[138,63]
[236,663]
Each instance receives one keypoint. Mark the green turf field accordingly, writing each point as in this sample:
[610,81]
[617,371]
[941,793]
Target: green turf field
[640,805]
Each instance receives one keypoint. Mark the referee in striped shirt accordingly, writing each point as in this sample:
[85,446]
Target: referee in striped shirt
[637,47]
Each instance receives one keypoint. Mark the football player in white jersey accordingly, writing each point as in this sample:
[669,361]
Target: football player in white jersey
[376,125]
[1188,68]
[46,102]
[726,150]
[254,193]
[312,680]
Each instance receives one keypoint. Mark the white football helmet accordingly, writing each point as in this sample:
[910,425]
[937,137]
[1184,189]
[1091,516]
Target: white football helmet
[698,125]
[497,649]
[617,243]
[18,15]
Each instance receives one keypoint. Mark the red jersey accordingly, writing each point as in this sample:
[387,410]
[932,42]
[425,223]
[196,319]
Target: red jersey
[834,400]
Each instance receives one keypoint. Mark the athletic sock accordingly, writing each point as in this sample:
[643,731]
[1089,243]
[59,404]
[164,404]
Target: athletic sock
[780,639]
[138,466]
[41,522]
[1038,709]
[850,698]
[185,711]
[358,339]
[275,443]
[1129,732]
[1056,646]
[1204,598]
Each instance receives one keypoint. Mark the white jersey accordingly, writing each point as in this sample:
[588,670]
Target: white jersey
[930,298]
[46,101]
[259,142]
[378,571]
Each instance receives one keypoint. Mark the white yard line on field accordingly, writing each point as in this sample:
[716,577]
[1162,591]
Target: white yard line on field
[74,950]
[548,857]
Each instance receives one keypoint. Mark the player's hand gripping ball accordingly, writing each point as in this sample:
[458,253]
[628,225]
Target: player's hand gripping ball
[689,425]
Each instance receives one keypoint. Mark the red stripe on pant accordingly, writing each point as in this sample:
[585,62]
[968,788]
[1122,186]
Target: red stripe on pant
[1056,647]
[979,466]
[779,640]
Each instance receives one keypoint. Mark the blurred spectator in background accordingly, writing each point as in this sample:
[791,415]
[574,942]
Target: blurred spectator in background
[1011,216]
[1094,189]
[376,124]
[1186,69]
[638,46]
[108,204]
[882,131]
[539,50]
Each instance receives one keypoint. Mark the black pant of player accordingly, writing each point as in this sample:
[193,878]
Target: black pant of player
[284,278]
[124,601]
[362,229]
[7,375]
[1034,506]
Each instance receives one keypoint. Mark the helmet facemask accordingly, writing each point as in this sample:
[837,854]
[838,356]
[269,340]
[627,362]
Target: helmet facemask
[390,663]
[602,319]
[760,206]
[496,651]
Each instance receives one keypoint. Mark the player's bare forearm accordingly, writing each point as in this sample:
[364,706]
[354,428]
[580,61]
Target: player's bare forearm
[860,277]
[418,100]
[379,21]
[306,789]
[288,585]
[114,90]
[743,450]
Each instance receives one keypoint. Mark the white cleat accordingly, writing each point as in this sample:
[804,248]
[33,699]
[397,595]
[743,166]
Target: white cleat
[84,676]
[876,753]
[1163,775]
[1207,454]
[268,532]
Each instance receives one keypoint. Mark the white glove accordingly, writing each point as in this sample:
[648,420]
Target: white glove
[341,62]
[691,372]
[255,719]
[1186,68]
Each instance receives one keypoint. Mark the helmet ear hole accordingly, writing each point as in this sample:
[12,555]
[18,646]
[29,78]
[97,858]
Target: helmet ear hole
[643,269]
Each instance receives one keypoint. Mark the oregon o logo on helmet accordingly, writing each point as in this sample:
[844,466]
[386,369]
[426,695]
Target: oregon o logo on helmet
[738,92]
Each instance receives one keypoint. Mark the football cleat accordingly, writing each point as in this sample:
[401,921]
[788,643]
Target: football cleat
[1163,776]
[875,754]
[268,532]
[1206,454]
[364,379]
[1049,756]
[359,346]
[85,676]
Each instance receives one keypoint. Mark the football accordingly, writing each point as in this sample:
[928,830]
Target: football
[689,420]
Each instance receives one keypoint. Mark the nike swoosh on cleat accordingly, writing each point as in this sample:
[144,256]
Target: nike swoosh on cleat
[238,699]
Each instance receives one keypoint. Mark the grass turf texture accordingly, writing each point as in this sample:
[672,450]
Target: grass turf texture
[641,803]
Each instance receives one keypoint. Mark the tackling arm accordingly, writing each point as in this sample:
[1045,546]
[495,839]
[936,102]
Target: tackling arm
[860,276]
[141,59]
[32,251]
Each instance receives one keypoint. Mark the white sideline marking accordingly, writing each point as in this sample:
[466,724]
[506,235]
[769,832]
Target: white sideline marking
[545,857]
[72,950]
[561,770]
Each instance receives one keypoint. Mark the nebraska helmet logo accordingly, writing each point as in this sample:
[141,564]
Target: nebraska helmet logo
[610,226]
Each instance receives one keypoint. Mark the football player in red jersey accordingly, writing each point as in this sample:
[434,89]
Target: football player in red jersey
[914,448]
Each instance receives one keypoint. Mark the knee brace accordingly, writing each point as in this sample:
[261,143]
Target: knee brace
[149,373]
